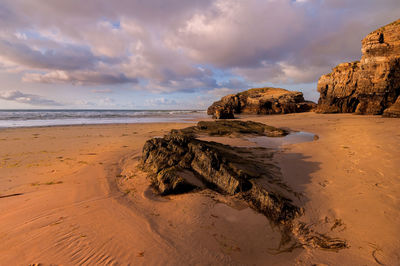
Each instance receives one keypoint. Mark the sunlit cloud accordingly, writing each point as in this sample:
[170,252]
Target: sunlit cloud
[101,90]
[192,47]
[78,78]
[30,99]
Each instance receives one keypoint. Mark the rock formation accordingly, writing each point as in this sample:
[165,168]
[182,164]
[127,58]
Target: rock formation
[180,162]
[221,112]
[227,128]
[394,110]
[262,101]
[369,86]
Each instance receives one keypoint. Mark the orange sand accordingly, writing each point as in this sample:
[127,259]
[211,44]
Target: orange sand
[73,195]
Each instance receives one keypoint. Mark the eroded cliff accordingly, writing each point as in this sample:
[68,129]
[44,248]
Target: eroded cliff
[368,86]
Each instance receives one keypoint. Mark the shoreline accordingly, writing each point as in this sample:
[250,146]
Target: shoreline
[323,170]
[88,125]
[103,124]
[193,121]
[16,119]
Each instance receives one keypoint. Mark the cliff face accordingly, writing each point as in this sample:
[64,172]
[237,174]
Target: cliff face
[369,86]
[394,110]
[262,101]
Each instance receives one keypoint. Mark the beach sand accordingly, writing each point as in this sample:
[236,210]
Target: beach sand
[74,195]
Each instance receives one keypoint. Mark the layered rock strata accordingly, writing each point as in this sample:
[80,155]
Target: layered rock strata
[369,86]
[261,101]
[179,163]
[227,128]
[216,164]
[393,110]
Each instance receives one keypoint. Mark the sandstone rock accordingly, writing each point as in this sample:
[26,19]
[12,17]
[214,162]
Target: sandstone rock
[222,112]
[216,166]
[172,181]
[179,163]
[369,86]
[262,101]
[225,128]
[394,110]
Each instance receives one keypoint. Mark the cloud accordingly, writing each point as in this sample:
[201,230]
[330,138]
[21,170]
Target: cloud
[97,102]
[78,78]
[184,46]
[101,90]
[160,102]
[65,57]
[236,33]
[220,92]
[31,99]
[267,41]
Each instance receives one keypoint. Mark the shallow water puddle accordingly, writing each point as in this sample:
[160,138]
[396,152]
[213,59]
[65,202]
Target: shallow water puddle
[277,142]
[242,214]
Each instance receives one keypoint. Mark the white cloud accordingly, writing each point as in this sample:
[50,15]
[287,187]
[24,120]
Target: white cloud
[31,99]
[220,92]
[101,90]
[78,78]
[156,102]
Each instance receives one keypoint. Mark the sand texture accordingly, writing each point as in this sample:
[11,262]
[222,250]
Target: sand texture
[74,195]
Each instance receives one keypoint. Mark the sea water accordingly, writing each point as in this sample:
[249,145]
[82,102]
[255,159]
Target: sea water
[277,142]
[33,118]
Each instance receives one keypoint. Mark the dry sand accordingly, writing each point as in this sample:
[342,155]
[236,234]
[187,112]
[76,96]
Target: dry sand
[73,195]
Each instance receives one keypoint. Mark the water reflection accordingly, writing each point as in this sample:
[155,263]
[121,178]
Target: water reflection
[277,142]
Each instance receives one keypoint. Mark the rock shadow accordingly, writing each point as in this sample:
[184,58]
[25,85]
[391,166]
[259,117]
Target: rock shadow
[179,163]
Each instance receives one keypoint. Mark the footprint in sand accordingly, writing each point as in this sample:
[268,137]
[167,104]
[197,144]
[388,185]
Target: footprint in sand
[324,183]
[377,254]
[140,254]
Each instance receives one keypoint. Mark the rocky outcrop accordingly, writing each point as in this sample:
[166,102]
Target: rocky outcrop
[221,112]
[262,101]
[394,110]
[227,128]
[169,159]
[368,86]
[180,163]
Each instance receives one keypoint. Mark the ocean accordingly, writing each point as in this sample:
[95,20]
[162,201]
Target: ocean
[35,118]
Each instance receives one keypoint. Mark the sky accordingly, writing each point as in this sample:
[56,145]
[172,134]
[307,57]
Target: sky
[173,54]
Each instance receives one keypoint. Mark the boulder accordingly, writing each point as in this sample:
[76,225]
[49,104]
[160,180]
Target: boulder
[368,86]
[261,101]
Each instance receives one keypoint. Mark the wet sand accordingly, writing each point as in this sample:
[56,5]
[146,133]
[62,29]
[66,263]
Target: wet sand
[74,195]
[351,179]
